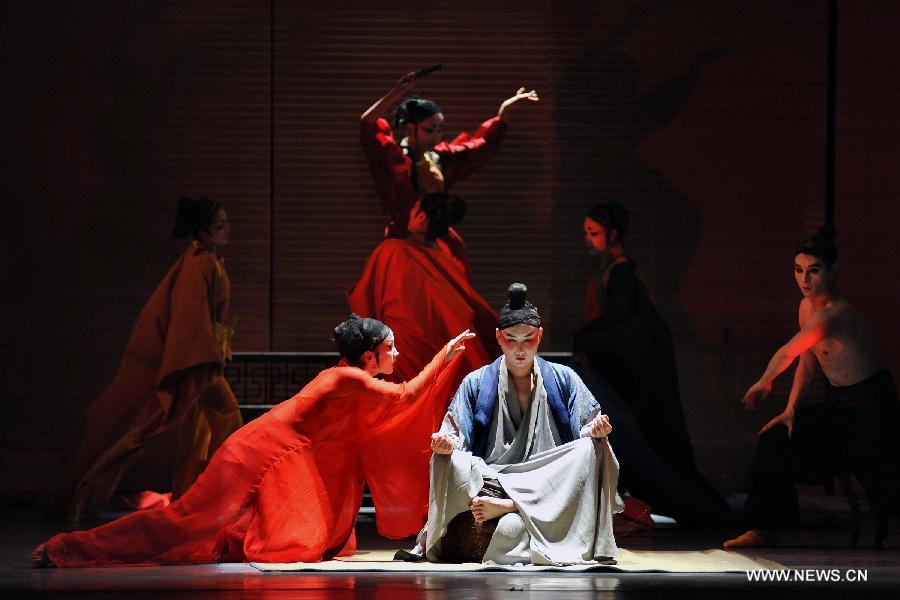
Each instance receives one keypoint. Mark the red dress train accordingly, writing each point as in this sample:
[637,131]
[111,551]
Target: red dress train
[421,293]
[287,487]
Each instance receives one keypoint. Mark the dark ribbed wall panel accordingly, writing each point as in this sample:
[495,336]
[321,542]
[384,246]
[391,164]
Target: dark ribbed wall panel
[708,123]
[119,109]
[331,64]
[705,121]
[867,216]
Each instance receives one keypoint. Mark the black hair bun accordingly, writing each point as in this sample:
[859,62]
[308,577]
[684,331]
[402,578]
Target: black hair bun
[184,217]
[357,335]
[193,215]
[456,209]
[517,293]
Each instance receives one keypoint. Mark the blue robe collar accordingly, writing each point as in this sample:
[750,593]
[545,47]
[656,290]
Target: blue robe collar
[486,403]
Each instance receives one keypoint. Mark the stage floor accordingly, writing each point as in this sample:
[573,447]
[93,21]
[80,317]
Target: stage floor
[824,550]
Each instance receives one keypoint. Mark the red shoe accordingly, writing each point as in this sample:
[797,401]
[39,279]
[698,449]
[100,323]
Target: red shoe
[638,512]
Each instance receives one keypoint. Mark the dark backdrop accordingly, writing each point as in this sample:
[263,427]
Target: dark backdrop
[707,119]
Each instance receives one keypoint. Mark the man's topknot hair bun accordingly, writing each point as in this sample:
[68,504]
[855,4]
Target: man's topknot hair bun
[517,294]
[518,309]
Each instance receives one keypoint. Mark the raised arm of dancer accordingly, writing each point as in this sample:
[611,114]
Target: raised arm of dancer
[521,94]
[383,105]
[813,331]
[410,390]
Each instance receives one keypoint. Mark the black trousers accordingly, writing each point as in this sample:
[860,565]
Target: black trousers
[856,429]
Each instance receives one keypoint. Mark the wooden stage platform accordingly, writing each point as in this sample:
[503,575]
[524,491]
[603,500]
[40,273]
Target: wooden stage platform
[823,550]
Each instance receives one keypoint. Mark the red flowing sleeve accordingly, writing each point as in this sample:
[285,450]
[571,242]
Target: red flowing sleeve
[391,173]
[396,449]
[468,153]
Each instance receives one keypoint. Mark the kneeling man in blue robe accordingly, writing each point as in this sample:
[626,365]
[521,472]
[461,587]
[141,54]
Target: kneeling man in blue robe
[522,471]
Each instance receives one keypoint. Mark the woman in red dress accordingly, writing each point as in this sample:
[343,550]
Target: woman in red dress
[417,288]
[287,486]
[416,162]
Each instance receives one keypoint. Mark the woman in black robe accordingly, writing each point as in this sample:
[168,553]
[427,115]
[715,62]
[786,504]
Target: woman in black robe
[628,344]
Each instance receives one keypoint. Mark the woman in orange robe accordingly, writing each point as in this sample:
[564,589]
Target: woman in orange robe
[287,486]
[171,375]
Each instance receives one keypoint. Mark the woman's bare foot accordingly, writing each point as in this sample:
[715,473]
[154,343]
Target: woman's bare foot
[485,508]
[39,558]
[755,538]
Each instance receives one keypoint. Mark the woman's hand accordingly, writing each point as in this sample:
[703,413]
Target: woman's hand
[396,93]
[600,426]
[757,392]
[441,443]
[458,345]
[786,418]
[521,94]
[405,84]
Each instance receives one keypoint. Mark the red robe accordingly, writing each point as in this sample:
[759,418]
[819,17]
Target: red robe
[287,487]
[392,171]
[423,296]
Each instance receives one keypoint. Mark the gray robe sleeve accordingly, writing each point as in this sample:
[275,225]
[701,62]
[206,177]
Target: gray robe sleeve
[582,405]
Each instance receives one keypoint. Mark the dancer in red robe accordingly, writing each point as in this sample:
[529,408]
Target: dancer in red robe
[420,163]
[287,486]
[422,293]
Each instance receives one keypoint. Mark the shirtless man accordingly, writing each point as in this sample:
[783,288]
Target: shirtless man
[854,429]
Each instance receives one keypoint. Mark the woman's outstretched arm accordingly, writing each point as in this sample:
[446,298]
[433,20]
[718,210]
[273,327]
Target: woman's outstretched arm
[383,105]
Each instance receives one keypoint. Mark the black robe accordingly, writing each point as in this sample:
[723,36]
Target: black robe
[630,347]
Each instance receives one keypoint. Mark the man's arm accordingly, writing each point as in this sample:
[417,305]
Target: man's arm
[813,331]
[456,429]
[803,377]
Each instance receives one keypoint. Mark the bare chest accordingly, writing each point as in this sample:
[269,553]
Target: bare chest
[830,351]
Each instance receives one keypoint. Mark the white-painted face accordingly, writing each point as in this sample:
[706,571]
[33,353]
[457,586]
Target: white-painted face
[813,275]
[381,360]
[519,344]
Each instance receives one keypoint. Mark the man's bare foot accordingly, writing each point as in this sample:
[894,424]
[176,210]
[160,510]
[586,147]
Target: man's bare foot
[485,508]
[39,558]
[754,538]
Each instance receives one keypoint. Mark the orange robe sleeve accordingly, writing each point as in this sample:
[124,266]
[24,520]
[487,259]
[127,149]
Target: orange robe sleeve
[287,486]
[190,338]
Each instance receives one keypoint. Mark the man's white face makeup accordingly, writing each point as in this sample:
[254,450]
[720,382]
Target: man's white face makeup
[814,277]
[519,344]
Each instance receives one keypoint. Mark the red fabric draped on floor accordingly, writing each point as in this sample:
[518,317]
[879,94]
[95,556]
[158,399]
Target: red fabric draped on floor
[287,486]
